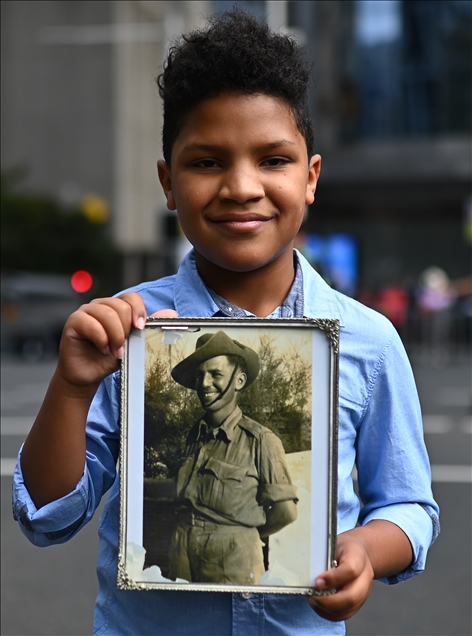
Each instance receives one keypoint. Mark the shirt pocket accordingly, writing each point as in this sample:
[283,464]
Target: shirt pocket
[184,474]
[222,485]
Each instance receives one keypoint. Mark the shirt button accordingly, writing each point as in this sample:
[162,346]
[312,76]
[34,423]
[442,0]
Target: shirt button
[246,595]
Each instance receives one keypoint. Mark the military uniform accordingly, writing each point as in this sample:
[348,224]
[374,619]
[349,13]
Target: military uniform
[229,477]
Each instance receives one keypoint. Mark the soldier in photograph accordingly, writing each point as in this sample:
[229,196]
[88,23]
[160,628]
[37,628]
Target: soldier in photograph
[233,487]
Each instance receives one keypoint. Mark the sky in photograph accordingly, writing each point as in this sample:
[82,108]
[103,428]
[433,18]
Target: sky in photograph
[285,339]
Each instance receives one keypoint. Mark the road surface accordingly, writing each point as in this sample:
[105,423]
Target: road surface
[51,591]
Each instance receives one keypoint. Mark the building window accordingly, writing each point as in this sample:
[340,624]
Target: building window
[408,69]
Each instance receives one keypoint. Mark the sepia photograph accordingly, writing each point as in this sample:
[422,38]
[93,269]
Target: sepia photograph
[228,448]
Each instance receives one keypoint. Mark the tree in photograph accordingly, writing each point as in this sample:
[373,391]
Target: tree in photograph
[278,399]
[169,412]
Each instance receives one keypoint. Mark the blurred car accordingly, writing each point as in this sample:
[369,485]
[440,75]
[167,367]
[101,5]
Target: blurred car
[34,308]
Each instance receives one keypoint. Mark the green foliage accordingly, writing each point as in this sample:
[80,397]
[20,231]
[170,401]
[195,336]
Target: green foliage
[38,235]
[278,399]
[169,412]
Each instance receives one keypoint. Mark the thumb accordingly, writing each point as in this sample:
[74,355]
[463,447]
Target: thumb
[165,313]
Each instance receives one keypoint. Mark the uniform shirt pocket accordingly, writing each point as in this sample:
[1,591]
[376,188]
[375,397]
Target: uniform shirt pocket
[221,485]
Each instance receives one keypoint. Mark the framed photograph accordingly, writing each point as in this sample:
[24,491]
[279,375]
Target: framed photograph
[229,455]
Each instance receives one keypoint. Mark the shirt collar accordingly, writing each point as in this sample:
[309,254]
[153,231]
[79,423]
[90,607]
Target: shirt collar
[320,300]
[192,297]
[226,428]
[292,307]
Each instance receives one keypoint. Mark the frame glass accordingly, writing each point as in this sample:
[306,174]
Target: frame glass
[228,460]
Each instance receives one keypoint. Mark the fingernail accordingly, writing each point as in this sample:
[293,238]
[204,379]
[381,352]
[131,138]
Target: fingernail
[140,323]
[319,582]
[120,352]
[107,351]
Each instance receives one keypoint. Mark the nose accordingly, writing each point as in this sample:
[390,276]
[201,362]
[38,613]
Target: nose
[242,183]
[205,380]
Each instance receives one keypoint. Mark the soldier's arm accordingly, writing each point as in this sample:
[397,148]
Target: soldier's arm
[279,515]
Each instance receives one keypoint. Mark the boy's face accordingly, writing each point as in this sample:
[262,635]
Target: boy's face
[240,179]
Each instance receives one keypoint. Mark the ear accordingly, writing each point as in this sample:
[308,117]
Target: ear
[313,175]
[240,381]
[163,172]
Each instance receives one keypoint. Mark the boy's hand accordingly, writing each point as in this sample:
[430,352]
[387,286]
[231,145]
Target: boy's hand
[92,343]
[376,550]
[93,338]
[352,580]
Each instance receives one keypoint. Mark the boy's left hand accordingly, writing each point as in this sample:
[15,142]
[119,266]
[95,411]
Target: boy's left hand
[378,549]
[352,579]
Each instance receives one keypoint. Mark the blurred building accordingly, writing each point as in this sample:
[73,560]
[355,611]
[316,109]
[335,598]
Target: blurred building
[81,111]
[391,103]
[392,106]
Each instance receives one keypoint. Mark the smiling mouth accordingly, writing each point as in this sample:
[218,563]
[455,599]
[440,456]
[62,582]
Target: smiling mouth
[242,222]
[207,395]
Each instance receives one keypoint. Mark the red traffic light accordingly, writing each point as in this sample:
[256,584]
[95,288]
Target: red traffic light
[81,281]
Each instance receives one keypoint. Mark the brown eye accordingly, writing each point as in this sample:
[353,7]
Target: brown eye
[206,163]
[273,162]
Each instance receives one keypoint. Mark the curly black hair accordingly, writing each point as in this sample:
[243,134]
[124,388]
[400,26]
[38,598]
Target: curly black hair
[235,53]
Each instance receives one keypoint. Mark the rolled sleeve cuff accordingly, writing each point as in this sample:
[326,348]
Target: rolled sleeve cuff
[421,526]
[272,493]
[55,522]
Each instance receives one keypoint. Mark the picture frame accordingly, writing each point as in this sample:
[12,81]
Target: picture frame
[195,480]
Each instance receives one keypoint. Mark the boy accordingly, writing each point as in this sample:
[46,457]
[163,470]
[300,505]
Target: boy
[239,168]
[234,486]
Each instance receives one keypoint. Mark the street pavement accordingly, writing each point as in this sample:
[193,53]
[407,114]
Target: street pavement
[438,602]
[51,591]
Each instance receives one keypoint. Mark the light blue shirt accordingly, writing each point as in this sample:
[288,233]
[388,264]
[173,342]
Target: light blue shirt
[380,431]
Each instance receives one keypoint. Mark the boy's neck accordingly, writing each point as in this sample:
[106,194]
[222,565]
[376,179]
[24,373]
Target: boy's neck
[259,291]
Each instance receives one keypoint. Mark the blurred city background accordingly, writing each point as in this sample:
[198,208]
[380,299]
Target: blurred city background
[83,215]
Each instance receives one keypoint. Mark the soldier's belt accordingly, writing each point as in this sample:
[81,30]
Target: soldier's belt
[188,517]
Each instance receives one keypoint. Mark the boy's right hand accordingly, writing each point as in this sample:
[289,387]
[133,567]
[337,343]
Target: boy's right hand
[93,339]
[92,344]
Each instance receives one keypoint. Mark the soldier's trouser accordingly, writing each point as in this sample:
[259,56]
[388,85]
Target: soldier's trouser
[216,554]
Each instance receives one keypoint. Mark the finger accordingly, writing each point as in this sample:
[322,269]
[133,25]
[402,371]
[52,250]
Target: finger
[344,603]
[340,576]
[106,324]
[83,327]
[138,309]
[352,580]
[352,560]
[341,614]
[129,307]
[165,313]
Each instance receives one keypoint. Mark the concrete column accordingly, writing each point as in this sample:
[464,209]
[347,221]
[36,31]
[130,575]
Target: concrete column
[276,14]
[137,121]
[138,199]
[326,73]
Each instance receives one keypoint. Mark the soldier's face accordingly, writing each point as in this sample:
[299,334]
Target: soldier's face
[216,387]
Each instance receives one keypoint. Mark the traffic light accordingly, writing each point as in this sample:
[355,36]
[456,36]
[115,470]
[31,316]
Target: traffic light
[81,281]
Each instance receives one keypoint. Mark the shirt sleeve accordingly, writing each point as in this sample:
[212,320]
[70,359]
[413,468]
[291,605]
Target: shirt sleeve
[59,520]
[274,477]
[394,474]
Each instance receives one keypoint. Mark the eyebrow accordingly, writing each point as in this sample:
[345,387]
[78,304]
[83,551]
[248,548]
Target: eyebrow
[279,143]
